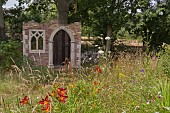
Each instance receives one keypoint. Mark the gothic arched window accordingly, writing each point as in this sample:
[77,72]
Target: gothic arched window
[37,41]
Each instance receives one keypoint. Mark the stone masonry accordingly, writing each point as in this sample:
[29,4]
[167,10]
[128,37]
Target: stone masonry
[48,30]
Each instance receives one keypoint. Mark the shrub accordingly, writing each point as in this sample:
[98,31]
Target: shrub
[10,53]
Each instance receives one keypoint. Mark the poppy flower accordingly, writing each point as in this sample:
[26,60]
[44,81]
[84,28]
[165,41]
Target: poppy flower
[62,91]
[62,98]
[46,108]
[24,101]
[98,69]
[44,101]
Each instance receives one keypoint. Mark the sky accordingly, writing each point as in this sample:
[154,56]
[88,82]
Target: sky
[10,3]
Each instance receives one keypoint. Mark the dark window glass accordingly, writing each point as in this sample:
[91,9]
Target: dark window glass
[33,43]
[40,43]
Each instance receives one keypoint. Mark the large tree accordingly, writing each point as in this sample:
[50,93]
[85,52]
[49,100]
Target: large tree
[103,16]
[152,23]
[63,10]
[2,29]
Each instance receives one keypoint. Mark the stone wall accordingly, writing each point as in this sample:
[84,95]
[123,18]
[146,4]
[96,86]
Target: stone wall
[42,57]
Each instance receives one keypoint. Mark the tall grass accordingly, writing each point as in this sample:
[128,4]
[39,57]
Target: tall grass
[130,84]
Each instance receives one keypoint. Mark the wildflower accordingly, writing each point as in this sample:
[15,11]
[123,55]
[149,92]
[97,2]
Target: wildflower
[24,101]
[62,91]
[142,71]
[62,98]
[71,85]
[98,69]
[56,85]
[54,93]
[98,89]
[100,52]
[44,101]
[107,38]
[121,75]
[46,108]
[109,52]
[159,95]
[161,13]
[137,107]
[95,83]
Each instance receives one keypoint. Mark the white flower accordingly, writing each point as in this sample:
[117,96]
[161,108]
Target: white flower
[159,93]
[95,45]
[100,52]
[161,13]
[137,107]
[107,38]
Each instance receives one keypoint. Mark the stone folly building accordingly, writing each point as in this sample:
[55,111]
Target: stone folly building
[49,44]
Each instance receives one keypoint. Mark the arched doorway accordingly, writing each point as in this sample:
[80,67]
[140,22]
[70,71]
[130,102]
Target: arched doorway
[61,47]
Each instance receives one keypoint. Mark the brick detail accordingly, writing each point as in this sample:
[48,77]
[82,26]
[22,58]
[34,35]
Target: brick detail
[50,27]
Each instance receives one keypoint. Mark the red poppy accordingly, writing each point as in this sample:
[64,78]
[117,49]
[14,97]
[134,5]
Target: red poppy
[46,108]
[62,91]
[44,101]
[98,69]
[24,101]
[62,98]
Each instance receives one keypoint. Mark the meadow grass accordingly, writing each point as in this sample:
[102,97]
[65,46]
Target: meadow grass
[131,84]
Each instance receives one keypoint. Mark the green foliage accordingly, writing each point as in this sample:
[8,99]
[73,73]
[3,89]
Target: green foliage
[164,92]
[10,54]
[13,22]
[165,62]
[97,15]
[152,23]
[40,12]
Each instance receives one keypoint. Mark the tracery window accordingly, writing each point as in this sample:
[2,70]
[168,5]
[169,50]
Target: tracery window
[36,41]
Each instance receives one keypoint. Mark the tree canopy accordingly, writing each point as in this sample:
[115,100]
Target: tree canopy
[149,19]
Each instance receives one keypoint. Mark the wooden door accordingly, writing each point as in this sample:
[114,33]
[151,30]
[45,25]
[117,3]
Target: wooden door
[61,47]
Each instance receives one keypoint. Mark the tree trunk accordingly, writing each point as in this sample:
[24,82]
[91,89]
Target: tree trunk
[2,30]
[109,34]
[63,10]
